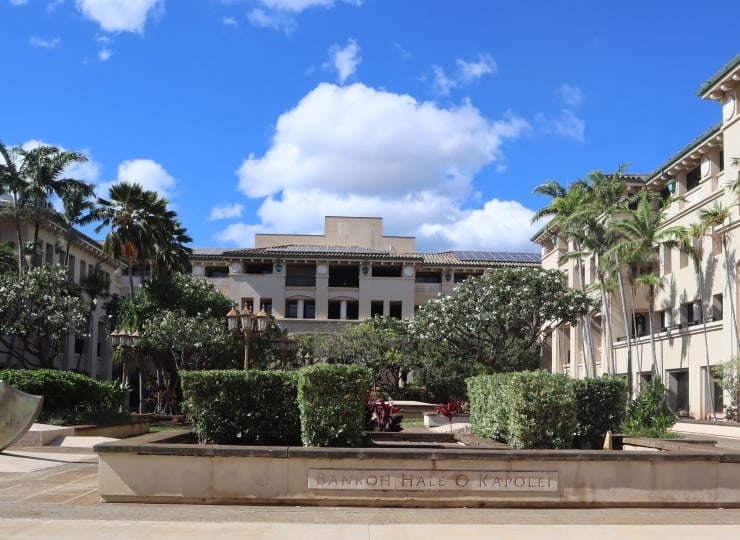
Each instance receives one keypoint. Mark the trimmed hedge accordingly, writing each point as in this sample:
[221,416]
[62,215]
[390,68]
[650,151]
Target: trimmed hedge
[601,405]
[243,407]
[66,393]
[488,405]
[332,400]
[528,409]
[542,410]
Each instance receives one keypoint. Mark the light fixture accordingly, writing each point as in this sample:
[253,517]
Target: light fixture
[247,319]
[278,266]
[365,268]
[448,275]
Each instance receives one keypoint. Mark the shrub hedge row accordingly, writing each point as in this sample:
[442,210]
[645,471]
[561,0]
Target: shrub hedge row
[66,393]
[539,409]
[243,407]
[321,405]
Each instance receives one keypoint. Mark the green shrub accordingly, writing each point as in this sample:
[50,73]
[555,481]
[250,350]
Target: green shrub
[489,416]
[242,407]
[542,410]
[649,414]
[69,397]
[332,401]
[601,406]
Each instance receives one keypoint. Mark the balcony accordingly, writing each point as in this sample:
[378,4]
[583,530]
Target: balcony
[300,281]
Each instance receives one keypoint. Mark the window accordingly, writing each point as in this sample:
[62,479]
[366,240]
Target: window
[217,272]
[693,177]
[691,312]
[257,268]
[666,260]
[300,309]
[83,270]
[71,268]
[717,300]
[376,308]
[353,310]
[291,309]
[721,160]
[247,302]
[49,256]
[386,271]
[428,277]
[300,275]
[396,310]
[344,276]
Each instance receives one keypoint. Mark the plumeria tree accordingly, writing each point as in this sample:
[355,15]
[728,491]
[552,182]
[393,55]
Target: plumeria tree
[38,310]
[496,322]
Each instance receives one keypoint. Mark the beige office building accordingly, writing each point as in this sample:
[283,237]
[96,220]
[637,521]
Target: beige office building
[701,174]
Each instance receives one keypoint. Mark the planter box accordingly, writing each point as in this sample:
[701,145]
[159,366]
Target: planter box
[433,419]
[162,468]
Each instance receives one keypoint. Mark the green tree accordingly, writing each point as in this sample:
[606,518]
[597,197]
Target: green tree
[715,219]
[41,170]
[641,232]
[182,324]
[38,310]
[78,210]
[568,211]
[384,344]
[140,227]
[498,321]
[11,185]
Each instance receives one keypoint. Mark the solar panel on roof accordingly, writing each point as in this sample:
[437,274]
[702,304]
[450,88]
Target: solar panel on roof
[497,256]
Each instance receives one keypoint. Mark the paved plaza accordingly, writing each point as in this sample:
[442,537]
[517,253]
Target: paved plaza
[50,492]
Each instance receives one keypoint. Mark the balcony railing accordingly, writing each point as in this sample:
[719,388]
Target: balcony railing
[300,281]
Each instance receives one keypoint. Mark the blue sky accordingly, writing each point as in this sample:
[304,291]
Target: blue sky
[440,116]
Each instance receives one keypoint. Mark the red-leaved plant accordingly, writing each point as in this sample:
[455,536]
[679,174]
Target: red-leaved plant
[449,410]
[381,414]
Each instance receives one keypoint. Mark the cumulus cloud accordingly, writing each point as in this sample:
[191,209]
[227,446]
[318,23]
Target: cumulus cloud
[88,171]
[18,2]
[43,43]
[229,21]
[345,60]
[361,151]
[228,211]
[120,15]
[150,174]
[467,72]
[104,54]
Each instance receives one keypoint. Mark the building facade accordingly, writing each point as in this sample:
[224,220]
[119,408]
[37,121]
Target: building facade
[687,321]
[349,274]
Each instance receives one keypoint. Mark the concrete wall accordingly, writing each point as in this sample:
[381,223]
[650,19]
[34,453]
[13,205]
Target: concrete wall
[141,470]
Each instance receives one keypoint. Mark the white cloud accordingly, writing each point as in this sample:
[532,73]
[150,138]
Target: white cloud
[360,151]
[120,15]
[88,171]
[280,14]
[345,60]
[150,174]
[229,21]
[570,94]
[51,6]
[566,125]
[18,2]
[228,211]
[104,54]
[44,43]
[466,73]
[472,71]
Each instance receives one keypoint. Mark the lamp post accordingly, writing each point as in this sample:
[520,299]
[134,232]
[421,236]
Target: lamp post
[129,341]
[247,320]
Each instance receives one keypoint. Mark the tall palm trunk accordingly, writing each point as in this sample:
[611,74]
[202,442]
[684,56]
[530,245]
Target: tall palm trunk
[622,297]
[588,342]
[730,279]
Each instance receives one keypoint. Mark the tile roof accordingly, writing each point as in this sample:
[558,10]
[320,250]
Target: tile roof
[724,70]
[686,149]
[475,259]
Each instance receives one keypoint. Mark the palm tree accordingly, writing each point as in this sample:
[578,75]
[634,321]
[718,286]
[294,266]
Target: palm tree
[95,284]
[41,171]
[11,183]
[715,218]
[691,244]
[641,232]
[78,210]
[138,220]
[567,212]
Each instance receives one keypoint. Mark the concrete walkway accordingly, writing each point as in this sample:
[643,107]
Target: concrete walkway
[51,493]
